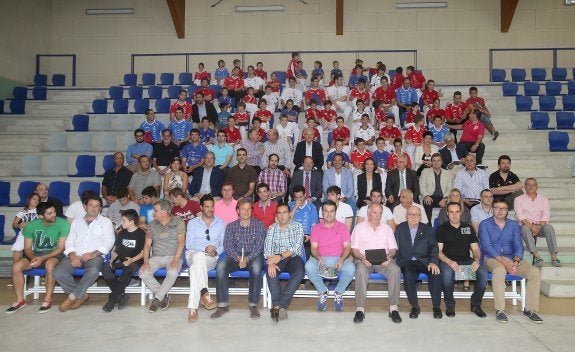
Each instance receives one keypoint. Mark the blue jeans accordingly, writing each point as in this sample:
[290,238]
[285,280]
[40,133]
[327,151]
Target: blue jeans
[282,297]
[448,281]
[346,273]
[228,265]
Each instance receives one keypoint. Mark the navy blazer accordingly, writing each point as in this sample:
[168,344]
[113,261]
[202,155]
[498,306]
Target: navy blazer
[316,152]
[446,154]
[424,248]
[211,113]
[216,181]
[315,183]
[362,187]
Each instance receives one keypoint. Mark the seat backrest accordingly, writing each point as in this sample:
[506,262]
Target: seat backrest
[100,106]
[39,93]
[81,123]
[116,92]
[497,75]
[135,92]
[281,76]
[148,79]
[552,88]
[18,106]
[40,80]
[558,141]
[88,185]
[547,103]
[185,78]
[4,193]
[24,190]
[162,106]
[523,103]
[155,92]
[559,74]
[20,92]
[61,191]
[571,87]
[85,166]
[120,106]
[216,88]
[565,120]
[569,102]
[518,74]
[166,79]
[173,92]
[531,88]
[509,89]
[130,79]
[141,105]
[539,120]
[538,74]
[2,223]
[59,79]
[108,162]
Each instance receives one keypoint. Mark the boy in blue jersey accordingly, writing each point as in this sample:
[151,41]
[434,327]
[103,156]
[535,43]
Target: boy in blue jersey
[207,134]
[152,128]
[439,131]
[380,155]
[180,127]
[149,197]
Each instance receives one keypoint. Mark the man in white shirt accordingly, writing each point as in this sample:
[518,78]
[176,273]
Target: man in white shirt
[376,196]
[338,95]
[344,213]
[287,131]
[406,202]
[257,83]
[291,92]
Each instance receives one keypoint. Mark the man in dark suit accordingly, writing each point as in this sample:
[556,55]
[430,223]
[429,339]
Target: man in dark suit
[418,253]
[202,108]
[213,187]
[308,147]
[314,193]
[451,150]
[398,179]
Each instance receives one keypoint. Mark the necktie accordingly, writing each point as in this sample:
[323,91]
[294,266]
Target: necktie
[401,181]
[306,185]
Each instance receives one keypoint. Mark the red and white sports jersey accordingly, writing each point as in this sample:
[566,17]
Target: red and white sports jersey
[477,102]
[385,96]
[250,100]
[358,158]
[233,82]
[233,136]
[471,131]
[261,74]
[329,115]
[392,160]
[380,115]
[186,106]
[208,93]
[434,112]
[455,113]
[396,81]
[291,69]
[364,133]
[415,135]
[429,96]
[364,95]
[341,133]
[392,133]
[275,85]
[315,93]
[313,113]
[242,117]
[261,133]
[264,115]
[200,75]
[409,117]
[416,79]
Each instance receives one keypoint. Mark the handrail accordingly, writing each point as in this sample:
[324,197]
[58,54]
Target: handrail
[73,56]
[554,51]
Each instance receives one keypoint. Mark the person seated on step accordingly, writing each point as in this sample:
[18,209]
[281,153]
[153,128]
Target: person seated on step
[115,179]
[504,183]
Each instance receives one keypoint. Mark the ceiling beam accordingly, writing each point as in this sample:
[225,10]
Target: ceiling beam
[178,12]
[507,11]
[338,17]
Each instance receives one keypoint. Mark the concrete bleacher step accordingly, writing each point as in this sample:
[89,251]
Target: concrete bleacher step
[558,282]
[566,255]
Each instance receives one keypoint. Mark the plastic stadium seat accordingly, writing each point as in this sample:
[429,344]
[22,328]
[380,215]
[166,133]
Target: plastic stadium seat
[558,141]
[4,193]
[552,88]
[162,106]
[547,103]
[569,102]
[85,166]
[518,74]
[61,191]
[1,106]
[559,74]
[141,105]
[24,190]
[538,74]
[497,75]
[135,92]
[392,73]
[20,92]
[18,106]
[80,123]
[539,120]
[565,120]
[281,76]
[173,91]
[120,106]
[39,93]
[88,185]
[40,80]
[130,79]
[185,78]
[155,92]
[192,88]
[116,92]
[216,88]
[571,87]
[148,79]
[100,106]
[166,79]
[59,80]
[2,235]
[523,103]
[329,138]
[531,88]
[108,162]
[510,89]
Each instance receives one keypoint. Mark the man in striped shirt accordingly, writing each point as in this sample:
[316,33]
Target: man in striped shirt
[274,178]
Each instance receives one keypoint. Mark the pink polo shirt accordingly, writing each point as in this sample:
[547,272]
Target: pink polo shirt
[535,210]
[227,213]
[330,240]
[365,237]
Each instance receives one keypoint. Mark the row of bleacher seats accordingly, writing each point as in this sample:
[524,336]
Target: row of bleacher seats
[58,164]
[537,74]
[16,106]
[57,189]
[58,80]
[546,103]
[154,92]
[559,141]
[535,88]
[565,120]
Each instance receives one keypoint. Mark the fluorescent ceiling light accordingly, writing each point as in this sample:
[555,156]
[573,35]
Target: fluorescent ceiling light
[126,11]
[259,8]
[420,5]
[569,2]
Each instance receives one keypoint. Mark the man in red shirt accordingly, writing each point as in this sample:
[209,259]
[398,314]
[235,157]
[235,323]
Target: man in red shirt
[360,92]
[428,96]
[183,103]
[389,133]
[233,134]
[292,66]
[235,85]
[416,78]
[455,113]
[259,71]
[386,95]
[472,136]
[341,132]
[204,88]
[314,92]
[397,80]
[476,102]
[264,209]
[183,208]
[359,154]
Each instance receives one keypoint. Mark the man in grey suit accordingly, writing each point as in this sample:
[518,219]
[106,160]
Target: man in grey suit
[311,180]
[399,179]
[341,177]
[434,193]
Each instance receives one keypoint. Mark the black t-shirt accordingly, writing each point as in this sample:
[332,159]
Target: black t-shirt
[495,180]
[114,181]
[130,244]
[456,241]
[164,154]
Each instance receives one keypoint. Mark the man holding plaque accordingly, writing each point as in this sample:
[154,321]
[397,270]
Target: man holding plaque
[373,246]
[455,239]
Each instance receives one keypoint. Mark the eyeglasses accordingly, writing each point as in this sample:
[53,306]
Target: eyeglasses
[411,214]
[207,234]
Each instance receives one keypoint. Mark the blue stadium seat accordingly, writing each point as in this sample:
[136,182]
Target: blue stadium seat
[39,93]
[130,79]
[85,166]
[120,106]
[88,185]
[59,80]
[24,190]
[166,79]
[552,88]
[569,102]
[2,222]
[40,80]
[559,74]
[20,93]
[185,78]
[116,92]
[100,106]
[18,106]
[565,120]
[538,74]
[329,138]
[135,92]
[141,105]
[192,88]
[510,89]
[108,162]
[4,193]
[531,88]
[1,106]
[80,123]
[497,75]
[155,92]
[148,79]
[173,91]
[61,191]
[216,88]
[518,74]
[539,121]
[162,106]
[523,103]
[547,103]
[281,76]
[571,87]
[558,142]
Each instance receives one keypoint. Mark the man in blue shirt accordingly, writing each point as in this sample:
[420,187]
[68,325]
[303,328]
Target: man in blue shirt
[502,248]
[405,95]
[152,127]
[193,153]
[180,127]
[304,213]
[136,150]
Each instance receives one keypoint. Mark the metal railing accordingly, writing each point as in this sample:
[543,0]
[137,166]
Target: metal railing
[73,56]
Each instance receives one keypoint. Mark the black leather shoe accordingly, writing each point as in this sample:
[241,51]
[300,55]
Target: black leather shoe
[478,311]
[395,317]
[414,313]
[358,317]
[437,313]
[275,314]
[450,311]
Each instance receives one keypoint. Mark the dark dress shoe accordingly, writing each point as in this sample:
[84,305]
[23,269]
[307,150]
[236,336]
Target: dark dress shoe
[358,317]
[414,313]
[395,317]
[275,314]
[478,311]
[450,312]
[437,313]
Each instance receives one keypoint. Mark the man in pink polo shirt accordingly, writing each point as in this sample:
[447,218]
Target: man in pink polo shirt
[225,208]
[330,246]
